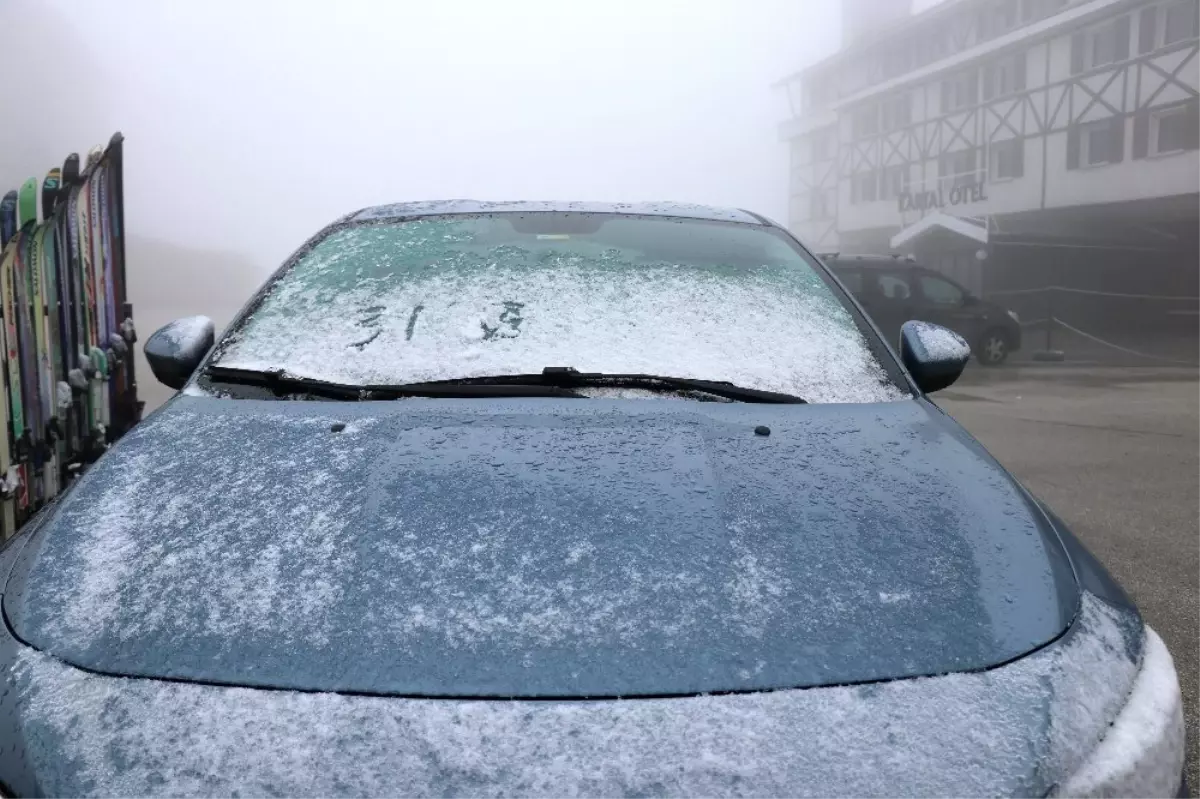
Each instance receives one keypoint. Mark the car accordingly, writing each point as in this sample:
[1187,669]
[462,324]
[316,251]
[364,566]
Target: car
[552,498]
[894,290]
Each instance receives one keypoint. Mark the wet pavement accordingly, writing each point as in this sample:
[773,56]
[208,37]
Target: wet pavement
[1116,453]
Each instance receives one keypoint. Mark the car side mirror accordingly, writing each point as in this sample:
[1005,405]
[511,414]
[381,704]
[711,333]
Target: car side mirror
[176,349]
[935,356]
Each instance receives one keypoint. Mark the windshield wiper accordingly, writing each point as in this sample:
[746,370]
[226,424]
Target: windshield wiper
[569,377]
[280,383]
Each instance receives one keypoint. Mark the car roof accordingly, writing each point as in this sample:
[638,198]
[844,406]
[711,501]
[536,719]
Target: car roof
[868,259]
[664,208]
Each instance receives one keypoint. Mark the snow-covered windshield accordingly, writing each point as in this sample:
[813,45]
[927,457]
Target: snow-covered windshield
[495,294]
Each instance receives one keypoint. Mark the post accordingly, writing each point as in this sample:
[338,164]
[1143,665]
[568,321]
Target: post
[1049,318]
[1048,353]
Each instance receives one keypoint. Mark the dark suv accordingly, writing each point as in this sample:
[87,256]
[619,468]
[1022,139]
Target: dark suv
[894,290]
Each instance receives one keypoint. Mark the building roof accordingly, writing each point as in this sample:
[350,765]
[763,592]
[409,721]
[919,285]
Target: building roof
[662,208]
[1021,36]
[871,42]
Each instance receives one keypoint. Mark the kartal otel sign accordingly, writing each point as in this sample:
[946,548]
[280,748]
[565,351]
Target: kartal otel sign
[926,200]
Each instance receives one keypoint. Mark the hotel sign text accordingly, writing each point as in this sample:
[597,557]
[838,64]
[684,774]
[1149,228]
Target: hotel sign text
[927,200]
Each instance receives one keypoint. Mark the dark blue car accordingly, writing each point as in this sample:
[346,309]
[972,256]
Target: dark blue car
[531,499]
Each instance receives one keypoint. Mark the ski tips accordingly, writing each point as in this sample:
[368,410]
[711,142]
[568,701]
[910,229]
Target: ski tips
[70,170]
[27,210]
[8,217]
[51,192]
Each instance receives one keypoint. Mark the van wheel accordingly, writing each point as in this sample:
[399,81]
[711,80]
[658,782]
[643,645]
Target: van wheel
[993,348]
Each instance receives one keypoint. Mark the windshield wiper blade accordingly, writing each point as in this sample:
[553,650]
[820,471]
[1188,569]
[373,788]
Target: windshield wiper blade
[569,377]
[279,382]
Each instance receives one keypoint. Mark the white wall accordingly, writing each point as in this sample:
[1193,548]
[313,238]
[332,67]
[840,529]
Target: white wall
[1046,181]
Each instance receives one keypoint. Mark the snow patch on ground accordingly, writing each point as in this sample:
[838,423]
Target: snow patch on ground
[972,734]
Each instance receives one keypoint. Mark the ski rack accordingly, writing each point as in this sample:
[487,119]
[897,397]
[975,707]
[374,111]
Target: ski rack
[66,329]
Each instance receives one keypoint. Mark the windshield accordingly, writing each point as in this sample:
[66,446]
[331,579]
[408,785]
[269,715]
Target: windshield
[464,296]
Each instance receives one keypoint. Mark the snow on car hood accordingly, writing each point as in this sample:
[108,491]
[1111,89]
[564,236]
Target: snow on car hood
[541,548]
[1018,730]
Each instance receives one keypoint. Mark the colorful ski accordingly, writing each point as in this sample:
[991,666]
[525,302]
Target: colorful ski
[50,192]
[90,352]
[130,406]
[100,312]
[8,218]
[27,203]
[27,256]
[9,466]
[20,432]
[67,386]
[26,449]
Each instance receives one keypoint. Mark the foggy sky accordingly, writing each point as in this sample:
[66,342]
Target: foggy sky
[251,124]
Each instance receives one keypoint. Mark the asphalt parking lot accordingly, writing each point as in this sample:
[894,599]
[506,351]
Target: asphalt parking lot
[1116,453]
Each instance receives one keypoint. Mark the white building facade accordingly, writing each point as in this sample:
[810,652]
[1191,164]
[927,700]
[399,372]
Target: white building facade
[1002,132]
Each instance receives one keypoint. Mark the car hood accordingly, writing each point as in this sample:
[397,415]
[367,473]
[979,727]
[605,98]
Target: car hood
[1018,730]
[552,548]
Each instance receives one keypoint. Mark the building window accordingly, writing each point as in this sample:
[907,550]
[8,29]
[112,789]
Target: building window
[864,187]
[998,18]
[957,169]
[1170,130]
[1004,76]
[864,121]
[818,90]
[1006,159]
[1178,22]
[821,204]
[1099,45]
[897,112]
[960,91]
[1101,142]
[898,58]
[1032,10]
[822,145]
[894,182]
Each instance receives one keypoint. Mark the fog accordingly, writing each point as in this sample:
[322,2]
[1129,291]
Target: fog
[249,125]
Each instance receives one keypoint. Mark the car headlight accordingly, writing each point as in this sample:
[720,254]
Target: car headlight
[1142,752]
[1013,315]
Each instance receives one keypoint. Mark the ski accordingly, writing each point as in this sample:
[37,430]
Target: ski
[10,480]
[92,355]
[27,258]
[67,386]
[99,314]
[68,407]
[50,339]
[44,457]
[131,407]
[18,384]
[50,192]
[8,218]
[78,367]
[27,203]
